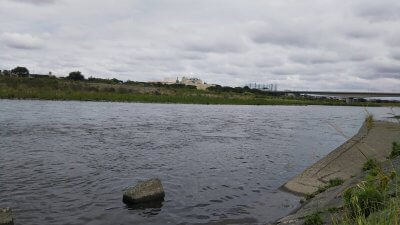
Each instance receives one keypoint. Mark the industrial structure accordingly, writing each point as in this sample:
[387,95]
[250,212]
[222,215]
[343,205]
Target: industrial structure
[262,86]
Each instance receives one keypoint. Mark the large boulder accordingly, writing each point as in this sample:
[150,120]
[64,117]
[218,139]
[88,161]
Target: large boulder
[6,217]
[149,190]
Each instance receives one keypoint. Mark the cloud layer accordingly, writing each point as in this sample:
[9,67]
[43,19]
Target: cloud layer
[313,45]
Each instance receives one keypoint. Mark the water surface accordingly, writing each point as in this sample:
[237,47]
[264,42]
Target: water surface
[68,162]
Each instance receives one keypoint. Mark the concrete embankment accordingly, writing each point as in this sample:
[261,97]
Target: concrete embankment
[373,141]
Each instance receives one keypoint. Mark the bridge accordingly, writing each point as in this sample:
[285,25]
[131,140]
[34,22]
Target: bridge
[348,95]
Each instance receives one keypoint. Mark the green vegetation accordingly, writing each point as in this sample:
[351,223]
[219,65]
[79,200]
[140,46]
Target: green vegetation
[364,198]
[76,75]
[389,215]
[96,89]
[75,87]
[369,120]
[395,150]
[335,182]
[313,219]
[333,210]
[331,183]
[374,201]
[370,164]
[20,71]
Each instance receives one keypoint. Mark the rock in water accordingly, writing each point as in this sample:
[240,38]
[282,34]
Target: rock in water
[145,191]
[6,217]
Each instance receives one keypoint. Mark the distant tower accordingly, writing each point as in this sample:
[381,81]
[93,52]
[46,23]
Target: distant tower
[177,80]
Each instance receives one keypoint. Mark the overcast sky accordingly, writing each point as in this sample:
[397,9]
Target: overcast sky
[349,45]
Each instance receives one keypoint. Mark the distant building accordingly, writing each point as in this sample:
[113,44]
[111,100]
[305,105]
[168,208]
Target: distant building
[193,81]
[170,80]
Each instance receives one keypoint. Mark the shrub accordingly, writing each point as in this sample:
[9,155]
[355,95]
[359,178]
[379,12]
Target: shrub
[370,164]
[331,183]
[369,120]
[395,150]
[313,219]
[387,216]
[20,71]
[122,90]
[92,88]
[310,196]
[363,199]
[76,75]
[336,182]
[108,89]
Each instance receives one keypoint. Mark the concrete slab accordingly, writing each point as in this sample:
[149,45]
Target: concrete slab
[372,141]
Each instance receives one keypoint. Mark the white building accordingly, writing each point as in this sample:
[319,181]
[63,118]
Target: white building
[193,81]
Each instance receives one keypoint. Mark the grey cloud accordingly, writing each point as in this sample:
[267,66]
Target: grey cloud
[267,63]
[363,31]
[216,46]
[285,33]
[314,58]
[297,44]
[281,37]
[376,75]
[35,2]
[393,39]
[21,41]
[389,70]
[378,11]
[395,55]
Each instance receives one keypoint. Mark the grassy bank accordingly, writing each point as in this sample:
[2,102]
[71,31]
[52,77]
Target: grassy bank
[62,89]
[375,200]
[357,183]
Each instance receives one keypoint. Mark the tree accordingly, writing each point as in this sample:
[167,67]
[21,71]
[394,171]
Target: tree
[76,75]
[20,71]
[6,73]
[115,80]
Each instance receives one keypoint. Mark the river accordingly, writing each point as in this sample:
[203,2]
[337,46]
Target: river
[69,162]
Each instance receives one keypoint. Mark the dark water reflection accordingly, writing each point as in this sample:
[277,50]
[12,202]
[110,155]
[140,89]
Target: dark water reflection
[68,162]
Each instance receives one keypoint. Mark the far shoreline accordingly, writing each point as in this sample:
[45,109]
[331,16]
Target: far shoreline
[189,103]
[58,89]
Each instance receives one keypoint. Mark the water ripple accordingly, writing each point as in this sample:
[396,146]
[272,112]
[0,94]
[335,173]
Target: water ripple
[68,162]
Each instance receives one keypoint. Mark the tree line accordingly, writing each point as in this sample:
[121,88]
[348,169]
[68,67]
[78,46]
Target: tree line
[21,71]
[78,76]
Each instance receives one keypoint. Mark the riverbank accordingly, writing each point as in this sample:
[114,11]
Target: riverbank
[349,167]
[62,89]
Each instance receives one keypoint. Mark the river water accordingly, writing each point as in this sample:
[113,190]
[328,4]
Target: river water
[69,162]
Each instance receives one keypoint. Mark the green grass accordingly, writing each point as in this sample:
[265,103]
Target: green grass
[150,98]
[373,201]
[389,215]
[364,199]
